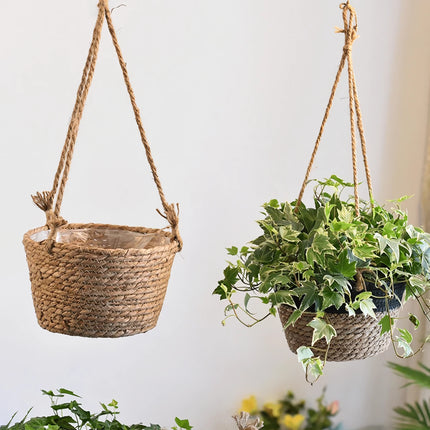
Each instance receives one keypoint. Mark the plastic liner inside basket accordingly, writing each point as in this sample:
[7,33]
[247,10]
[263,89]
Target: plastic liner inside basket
[105,238]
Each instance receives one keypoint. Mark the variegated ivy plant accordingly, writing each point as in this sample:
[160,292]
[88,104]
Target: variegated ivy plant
[311,257]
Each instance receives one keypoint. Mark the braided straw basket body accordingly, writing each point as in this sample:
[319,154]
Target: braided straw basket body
[96,292]
[357,337]
[98,288]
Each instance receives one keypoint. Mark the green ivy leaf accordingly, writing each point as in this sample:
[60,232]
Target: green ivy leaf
[230,276]
[332,298]
[273,203]
[244,250]
[345,214]
[414,320]
[311,365]
[288,234]
[386,324]
[394,246]
[406,335]
[340,226]
[351,311]
[321,329]
[183,424]
[265,254]
[222,291]
[300,266]
[303,353]
[282,296]
[296,314]
[364,295]
[321,243]
[382,241]
[365,251]
[343,266]
[338,281]
[416,286]
[367,306]
[308,294]
[404,341]
[233,250]
[389,230]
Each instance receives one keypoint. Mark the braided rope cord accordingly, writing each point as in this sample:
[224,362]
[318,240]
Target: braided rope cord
[45,200]
[350,30]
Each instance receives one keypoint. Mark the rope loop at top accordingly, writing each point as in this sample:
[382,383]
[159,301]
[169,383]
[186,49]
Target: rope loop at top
[350,31]
[350,26]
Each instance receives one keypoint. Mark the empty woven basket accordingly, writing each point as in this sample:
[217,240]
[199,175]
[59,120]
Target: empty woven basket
[98,280]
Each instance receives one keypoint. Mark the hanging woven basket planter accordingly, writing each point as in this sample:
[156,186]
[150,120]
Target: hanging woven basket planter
[357,337]
[338,270]
[98,280]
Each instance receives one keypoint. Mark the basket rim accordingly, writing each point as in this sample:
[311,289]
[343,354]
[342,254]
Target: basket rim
[344,315]
[173,246]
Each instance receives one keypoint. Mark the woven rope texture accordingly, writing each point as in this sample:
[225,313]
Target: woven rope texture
[96,292]
[357,337]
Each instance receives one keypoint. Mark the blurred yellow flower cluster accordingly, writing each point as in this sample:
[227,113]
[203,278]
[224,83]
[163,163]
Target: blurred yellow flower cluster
[292,414]
[291,422]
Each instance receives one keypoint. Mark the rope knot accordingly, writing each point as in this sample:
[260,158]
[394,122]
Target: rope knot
[53,221]
[172,216]
[350,26]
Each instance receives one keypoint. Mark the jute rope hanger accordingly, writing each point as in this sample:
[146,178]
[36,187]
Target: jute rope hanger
[350,31]
[45,200]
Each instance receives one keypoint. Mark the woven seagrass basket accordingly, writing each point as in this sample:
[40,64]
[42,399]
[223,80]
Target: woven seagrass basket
[98,280]
[83,290]
[357,337]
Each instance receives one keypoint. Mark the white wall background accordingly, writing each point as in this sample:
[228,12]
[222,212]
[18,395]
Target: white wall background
[232,94]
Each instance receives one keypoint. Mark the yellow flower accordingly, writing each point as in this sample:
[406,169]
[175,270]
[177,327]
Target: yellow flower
[293,422]
[249,405]
[273,409]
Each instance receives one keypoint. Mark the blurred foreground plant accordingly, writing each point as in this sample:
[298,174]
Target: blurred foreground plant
[71,416]
[414,416]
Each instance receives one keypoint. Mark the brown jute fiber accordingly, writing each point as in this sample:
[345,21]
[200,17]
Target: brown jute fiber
[97,291]
[357,337]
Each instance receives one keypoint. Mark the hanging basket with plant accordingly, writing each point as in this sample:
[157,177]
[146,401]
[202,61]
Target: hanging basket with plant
[98,280]
[337,272]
